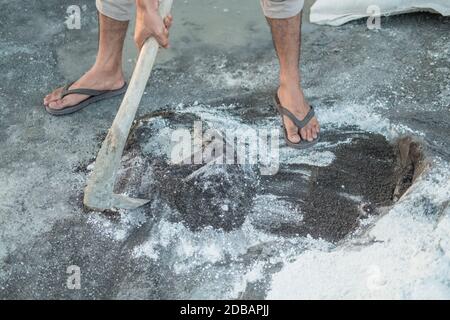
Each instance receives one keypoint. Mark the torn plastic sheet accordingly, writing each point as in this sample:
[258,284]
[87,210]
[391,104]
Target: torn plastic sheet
[336,13]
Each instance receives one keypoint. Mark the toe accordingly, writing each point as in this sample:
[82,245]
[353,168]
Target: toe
[314,132]
[309,136]
[304,134]
[52,97]
[48,98]
[292,135]
[311,133]
[292,131]
[294,138]
[59,103]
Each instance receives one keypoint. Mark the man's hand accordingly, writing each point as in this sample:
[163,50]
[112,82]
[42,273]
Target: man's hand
[150,24]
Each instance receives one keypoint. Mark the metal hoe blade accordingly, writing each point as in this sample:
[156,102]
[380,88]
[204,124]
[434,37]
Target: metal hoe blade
[99,192]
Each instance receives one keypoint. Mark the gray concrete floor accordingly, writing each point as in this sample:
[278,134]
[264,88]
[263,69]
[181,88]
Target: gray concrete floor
[400,72]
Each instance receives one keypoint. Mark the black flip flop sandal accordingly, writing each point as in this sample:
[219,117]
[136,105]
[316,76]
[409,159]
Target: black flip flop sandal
[299,123]
[95,96]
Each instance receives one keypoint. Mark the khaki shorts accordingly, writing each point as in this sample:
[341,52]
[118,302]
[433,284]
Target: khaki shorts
[122,10]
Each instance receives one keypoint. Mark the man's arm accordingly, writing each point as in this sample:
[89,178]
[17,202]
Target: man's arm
[150,24]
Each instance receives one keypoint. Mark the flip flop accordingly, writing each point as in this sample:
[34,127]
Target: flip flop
[95,96]
[299,123]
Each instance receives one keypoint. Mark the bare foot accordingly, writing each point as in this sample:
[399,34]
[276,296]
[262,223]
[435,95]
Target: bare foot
[293,99]
[93,79]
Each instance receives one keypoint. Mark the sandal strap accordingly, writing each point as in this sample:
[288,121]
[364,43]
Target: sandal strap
[299,123]
[88,92]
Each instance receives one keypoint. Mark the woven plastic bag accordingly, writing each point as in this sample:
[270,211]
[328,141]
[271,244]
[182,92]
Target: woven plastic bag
[338,12]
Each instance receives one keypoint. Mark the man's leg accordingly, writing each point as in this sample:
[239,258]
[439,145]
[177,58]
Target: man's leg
[106,73]
[286,33]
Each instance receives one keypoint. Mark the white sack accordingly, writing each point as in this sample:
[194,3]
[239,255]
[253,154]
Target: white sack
[338,12]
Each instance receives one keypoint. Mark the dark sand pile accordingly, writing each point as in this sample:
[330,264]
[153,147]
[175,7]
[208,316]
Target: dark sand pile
[368,173]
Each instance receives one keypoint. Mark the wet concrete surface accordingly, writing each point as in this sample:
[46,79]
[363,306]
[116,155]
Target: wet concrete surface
[399,74]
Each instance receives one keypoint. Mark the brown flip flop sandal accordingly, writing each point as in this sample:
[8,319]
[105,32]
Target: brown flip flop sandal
[299,123]
[95,96]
